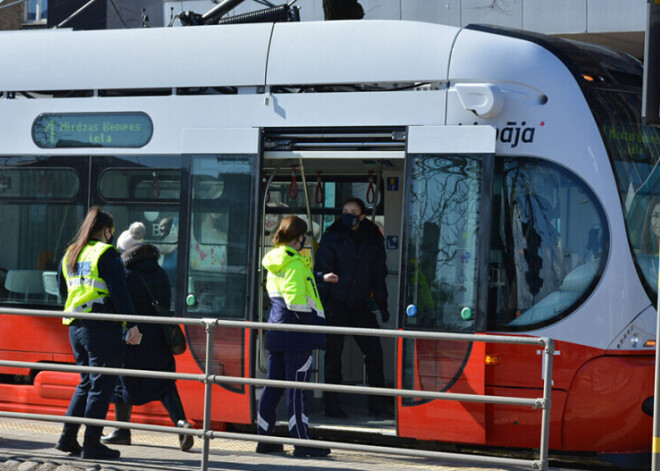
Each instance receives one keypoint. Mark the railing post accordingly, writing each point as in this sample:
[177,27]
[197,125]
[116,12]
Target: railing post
[208,384]
[549,352]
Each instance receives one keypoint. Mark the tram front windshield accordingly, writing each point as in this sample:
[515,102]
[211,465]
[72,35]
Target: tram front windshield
[634,151]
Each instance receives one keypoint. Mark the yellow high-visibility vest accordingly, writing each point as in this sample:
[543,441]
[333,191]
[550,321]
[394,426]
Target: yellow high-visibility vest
[85,287]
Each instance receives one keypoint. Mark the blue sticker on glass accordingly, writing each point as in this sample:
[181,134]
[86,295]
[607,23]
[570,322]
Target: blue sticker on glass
[392,242]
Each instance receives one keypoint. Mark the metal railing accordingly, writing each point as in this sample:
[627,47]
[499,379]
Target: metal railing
[206,434]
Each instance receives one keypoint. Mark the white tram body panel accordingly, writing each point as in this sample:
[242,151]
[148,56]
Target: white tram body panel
[255,58]
[566,133]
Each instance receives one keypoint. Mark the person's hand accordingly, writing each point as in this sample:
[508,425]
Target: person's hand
[330,278]
[134,336]
[385,315]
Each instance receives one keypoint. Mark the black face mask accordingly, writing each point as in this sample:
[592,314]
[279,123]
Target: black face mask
[302,242]
[111,238]
[350,220]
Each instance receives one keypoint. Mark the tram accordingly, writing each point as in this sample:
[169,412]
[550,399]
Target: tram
[510,173]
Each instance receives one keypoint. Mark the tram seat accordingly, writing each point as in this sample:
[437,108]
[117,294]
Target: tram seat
[50,284]
[25,282]
[574,285]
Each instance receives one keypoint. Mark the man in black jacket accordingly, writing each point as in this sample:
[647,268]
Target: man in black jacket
[350,266]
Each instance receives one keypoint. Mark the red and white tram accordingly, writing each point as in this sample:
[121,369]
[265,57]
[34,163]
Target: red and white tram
[510,172]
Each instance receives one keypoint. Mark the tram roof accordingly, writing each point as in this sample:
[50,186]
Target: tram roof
[337,52]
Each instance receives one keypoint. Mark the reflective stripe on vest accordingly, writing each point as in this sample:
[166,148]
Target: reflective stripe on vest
[85,288]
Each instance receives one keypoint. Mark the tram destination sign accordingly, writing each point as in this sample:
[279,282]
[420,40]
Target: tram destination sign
[78,130]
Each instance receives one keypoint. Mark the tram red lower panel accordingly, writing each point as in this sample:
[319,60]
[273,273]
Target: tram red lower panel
[604,406]
[51,391]
[597,399]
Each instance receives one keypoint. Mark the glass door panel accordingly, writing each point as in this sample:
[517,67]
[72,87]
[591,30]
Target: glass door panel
[445,232]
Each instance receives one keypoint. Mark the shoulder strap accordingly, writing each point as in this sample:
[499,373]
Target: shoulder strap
[154,302]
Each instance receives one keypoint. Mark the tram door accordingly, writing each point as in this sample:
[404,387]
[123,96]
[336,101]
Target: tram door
[313,187]
[445,235]
[216,254]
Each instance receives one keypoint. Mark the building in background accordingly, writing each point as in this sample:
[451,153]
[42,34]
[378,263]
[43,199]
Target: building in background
[100,14]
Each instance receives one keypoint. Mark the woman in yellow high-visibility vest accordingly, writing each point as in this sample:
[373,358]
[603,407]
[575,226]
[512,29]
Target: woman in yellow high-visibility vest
[295,300]
[92,280]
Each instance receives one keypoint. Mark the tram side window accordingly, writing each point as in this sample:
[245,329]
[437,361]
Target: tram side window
[149,196]
[548,244]
[219,236]
[40,209]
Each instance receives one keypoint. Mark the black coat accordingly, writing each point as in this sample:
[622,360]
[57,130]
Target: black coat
[359,262]
[152,353]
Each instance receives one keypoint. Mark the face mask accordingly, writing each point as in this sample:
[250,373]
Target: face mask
[350,220]
[302,243]
[111,238]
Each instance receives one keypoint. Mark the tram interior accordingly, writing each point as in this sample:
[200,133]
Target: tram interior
[329,183]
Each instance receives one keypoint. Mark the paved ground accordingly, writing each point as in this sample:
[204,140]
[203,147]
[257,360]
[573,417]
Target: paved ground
[28,446]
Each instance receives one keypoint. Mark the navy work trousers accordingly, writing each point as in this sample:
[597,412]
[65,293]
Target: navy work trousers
[94,343]
[289,366]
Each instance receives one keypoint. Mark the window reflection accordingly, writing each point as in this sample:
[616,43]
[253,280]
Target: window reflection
[547,246]
[441,267]
[219,236]
[442,248]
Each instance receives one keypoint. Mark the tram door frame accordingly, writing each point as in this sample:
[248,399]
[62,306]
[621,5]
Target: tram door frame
[284,160]
[466,422]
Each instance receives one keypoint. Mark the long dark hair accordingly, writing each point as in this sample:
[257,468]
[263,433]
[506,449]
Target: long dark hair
[95,221]
[290,229]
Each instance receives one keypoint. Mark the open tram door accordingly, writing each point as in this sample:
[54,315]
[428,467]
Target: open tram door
[444,279]
[310,173]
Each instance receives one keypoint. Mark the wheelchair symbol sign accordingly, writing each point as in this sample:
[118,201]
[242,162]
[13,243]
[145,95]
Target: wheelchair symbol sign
[392,242]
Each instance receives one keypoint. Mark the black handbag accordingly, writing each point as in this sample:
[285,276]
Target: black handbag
[173,334]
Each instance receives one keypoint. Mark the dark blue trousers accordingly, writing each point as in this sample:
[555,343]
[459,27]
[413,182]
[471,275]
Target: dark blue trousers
[94,343]
[289,366]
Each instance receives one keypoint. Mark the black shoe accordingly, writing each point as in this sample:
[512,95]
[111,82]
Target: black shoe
[270,447]
[335,412]
[119,436]
[99,452]
[69,445]
[185,441]
[303,451]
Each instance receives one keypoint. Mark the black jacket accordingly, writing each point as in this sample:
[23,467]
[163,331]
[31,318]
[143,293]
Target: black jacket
[358,259]
[141,262]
